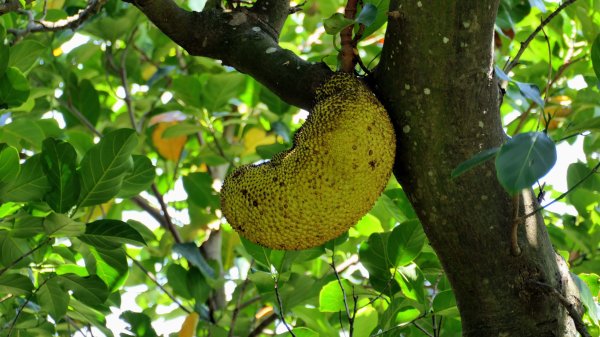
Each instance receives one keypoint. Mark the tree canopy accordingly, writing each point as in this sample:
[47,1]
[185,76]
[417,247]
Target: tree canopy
[115,139]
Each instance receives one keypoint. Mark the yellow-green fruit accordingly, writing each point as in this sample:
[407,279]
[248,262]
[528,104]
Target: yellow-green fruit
[341,161]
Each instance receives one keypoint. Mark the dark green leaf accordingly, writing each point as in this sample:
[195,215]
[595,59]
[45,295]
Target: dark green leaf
[14,88]
[198,186]
[26,226]
[24,133]
[259,253]
[111,230]
[268,151]
[85,98]
[53,298]
[406,242]
[9,164]
[586,298]
[191,252]
[139,179]
[15,284]
[109,264]
[524,159]
[367,14]
[60,225]
[577,172]
[11,249]
[24,55]
[60,165]
[140,324]
[444,304]
[335,23]
[196,284]
[302,332]
[105,165]
[474,161]
[595,55]
[4,55]
[188,89]
[381,16]
[90,290]
[273,102]
[374,256]
[177,276]
[31,184]
[531,91]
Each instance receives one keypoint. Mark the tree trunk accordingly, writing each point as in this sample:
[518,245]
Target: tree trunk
[437,82]
[436,78]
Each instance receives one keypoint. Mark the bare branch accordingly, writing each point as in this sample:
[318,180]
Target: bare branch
[280,304]
[163,207]
[263,325]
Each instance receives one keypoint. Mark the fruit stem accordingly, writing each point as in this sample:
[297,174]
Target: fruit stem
[347,53]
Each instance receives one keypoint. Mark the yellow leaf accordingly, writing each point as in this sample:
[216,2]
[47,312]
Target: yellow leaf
[264,312]
[147,71]
[169,148]
[55,4]
[188,328]
[256,137]
[57,52]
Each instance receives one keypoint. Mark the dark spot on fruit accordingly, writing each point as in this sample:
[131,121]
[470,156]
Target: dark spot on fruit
[244,191]
[370,152]
[274,179]
[255,203]
[372,164]
[281,184]
[369,128]
[354,166]
[354,147]
[236,174]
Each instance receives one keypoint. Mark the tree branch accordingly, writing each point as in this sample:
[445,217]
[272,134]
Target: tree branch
[9,6]
[241,38]
[263,325]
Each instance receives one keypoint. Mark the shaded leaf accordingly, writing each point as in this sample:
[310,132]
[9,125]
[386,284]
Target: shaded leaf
[9,164]
[406,242]
[60,166]
[524,159]
[335,23]
[474,161]
[531,91]
[367,14]
[31,184]
[105,165]
[191,252]
[595,55]
[15,284]
[444,304]
[139,179]
[97,233]
[24,55]
[198,186]
[220,88]
[139,324]
[90,290]
[53,298]
[60,225]
[14,88]
[587,298]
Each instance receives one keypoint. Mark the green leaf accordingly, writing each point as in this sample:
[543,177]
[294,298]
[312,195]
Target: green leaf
[25,132]
[331,297]
[335,23]
[140,324]
[26,226]
[411,282]
[15,284]
[444,304]
[2,33]
[474,161]
[60,225]
[139,179]
[11,249]
[367,15]
[60,165]
[31,184]
[406,242]
[188,89]
[105,165]
[373,254]
[524,159]
[53,298]
[273,102]
[259,253]
[4,55]
[198,186]
[191,252]
[85,98]
[182,129]
[109,264]
[24,55]
[9,164]
[595,55]
[268,151]
[220,88]
[14,88]
[381,16]
[406,314]
[97,233]
[90,290]
[587,298]
[177,276]
[539,4]
[577,172]
[301,332]
[531,91]
[365,321]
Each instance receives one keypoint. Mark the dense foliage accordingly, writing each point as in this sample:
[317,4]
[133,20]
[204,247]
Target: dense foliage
[114,143]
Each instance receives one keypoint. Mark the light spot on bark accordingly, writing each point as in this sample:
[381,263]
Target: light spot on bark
[419,4]
[466,24]
[237,19]
[407,86]
[480,124]
[256,29]
[445,39]
[427,91]
[484,112]
[430,173]
[406,129]
[271,50]
[484,197]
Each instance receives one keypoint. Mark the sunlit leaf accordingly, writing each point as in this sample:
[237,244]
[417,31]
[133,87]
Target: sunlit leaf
[333,299]
[139,179]
[335,23]
[30,185]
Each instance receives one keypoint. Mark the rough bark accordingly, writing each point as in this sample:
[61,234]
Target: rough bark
[436,80]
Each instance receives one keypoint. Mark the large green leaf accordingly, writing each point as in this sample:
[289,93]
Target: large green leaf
[31,184]
[26,226]
[24,55]
[109,264]
[411,281]
[444,304]
[12,249]
[375,257]
[89,290]
[9,164]
[221,88]
[331,297]
[139,324]
[15,284]
[587,298]
[53,298]
[406,242]
[105,165]
[524,159]
[139,179]
[595,55]
[14,88]
[60,225]
[60,165]
[336,23]
[198,186]
[84,97]
[99,232]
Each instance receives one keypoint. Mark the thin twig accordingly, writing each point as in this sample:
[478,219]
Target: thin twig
[12,264]
[165,212]
[263,325]
[155,281]
[20,310]
[155,213]
[238,305]
[510,65]
[422,329]
[345,297]
[125,84]
[592,172]
[82,119]
[280,304]
[571,309]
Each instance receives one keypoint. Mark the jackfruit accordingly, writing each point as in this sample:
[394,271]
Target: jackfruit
[340,162]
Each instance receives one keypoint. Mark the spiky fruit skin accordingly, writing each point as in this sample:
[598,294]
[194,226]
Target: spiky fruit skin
[340,163]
